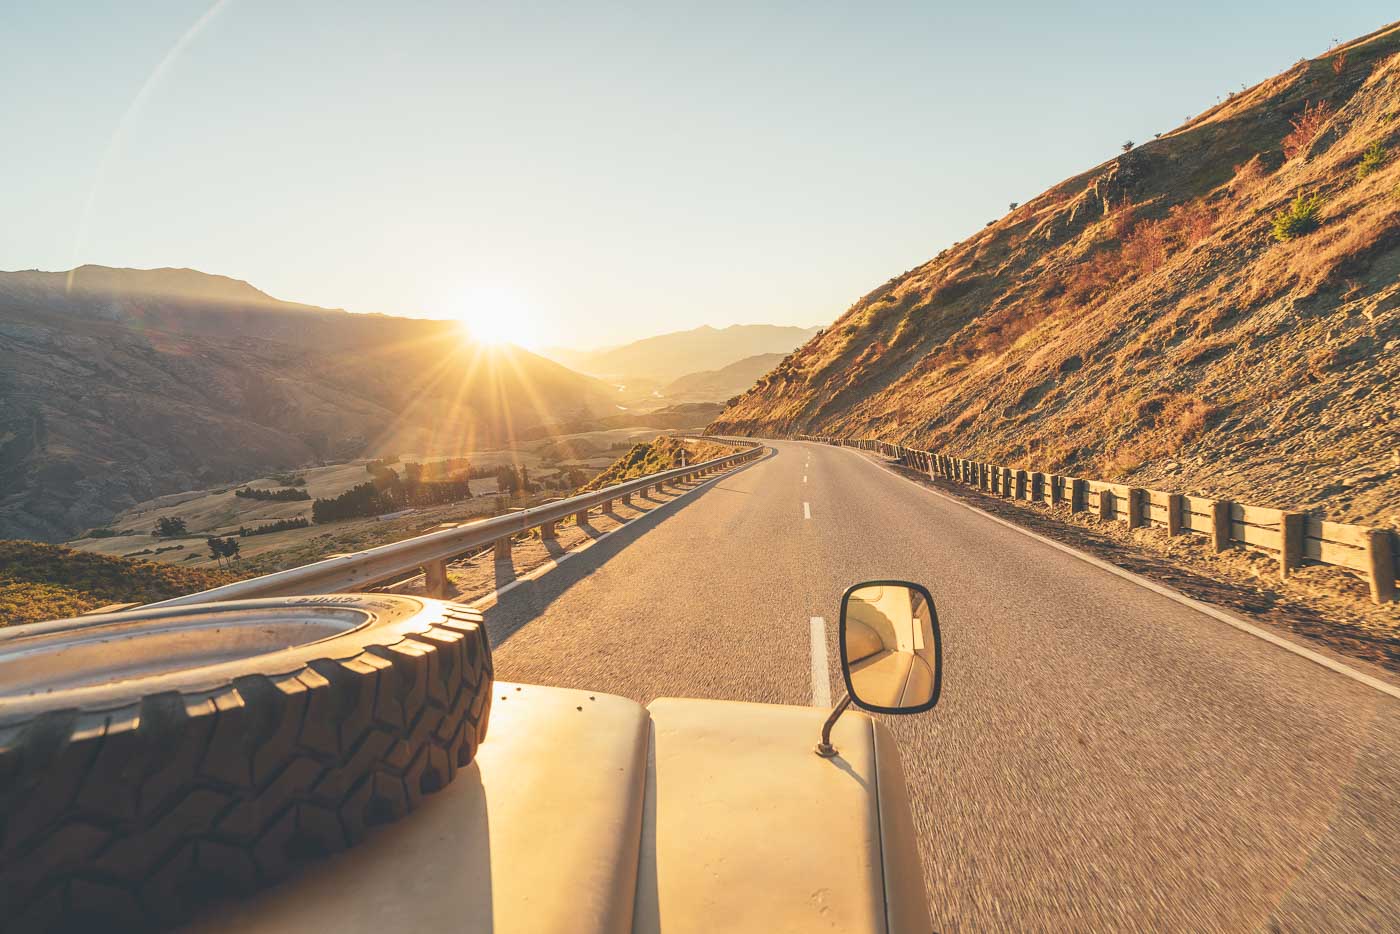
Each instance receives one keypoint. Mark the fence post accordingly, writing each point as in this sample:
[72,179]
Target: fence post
[435,579]
[1220,524]
[1136,499]
[1290,552]
[1380,555]
[1176,503]
[1105,504]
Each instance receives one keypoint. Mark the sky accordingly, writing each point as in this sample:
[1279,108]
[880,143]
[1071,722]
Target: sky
[584,174]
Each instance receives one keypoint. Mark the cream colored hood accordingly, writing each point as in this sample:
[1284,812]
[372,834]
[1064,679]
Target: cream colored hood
[561,825]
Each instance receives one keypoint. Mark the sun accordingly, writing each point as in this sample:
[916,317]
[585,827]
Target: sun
[494,316]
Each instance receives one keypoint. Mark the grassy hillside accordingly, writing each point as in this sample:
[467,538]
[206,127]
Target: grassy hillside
[1214,310]
[661,453]
[40,582]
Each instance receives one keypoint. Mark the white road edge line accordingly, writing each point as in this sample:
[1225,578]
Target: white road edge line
[1173,595]
[806,510]
[821,678]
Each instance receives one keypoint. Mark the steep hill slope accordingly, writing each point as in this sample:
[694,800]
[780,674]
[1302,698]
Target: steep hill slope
[666,357]
[1142,320]
[719,385]
[120,385]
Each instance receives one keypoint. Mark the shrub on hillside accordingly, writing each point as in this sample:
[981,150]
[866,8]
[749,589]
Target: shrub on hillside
[1146,248]
[1306,126]
[41,582]
[1371,160]
[1298,218]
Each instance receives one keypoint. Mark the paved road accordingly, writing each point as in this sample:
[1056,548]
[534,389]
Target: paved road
[1102,758]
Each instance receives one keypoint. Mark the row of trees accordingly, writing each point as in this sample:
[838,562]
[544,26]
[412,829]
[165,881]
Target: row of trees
[283,495]
[386,491]
[281,525]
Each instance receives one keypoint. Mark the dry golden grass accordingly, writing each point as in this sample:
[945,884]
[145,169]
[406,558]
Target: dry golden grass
[1143,313]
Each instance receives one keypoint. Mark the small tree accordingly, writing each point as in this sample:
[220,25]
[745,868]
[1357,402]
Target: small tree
[1371,160]
[1298,218]
[1128,145]
[169,527]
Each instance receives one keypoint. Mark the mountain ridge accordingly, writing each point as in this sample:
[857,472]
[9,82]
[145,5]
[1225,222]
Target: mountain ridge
[1141,319]
[111,394]
[662,358]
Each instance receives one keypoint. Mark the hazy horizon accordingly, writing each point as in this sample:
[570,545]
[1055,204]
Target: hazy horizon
[573,177]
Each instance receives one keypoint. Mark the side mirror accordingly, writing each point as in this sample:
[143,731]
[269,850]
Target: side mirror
[891,651]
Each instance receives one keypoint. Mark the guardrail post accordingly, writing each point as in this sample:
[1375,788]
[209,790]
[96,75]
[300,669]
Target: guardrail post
[1057,489]
[607,505]
[1176,505]
[1220,524]
[435,580]
[502,549]
[1078,495]
[1105,504]
[1021,479]
[547,532]
[1136,499]
[1037,486]
[581,517]
[1291,531]
[1380,556]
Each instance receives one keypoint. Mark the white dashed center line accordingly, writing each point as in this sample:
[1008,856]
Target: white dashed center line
[806,510]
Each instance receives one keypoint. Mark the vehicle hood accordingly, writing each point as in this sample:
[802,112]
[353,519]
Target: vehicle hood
[585,812]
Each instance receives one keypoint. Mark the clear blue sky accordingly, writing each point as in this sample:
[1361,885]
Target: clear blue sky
[584,173]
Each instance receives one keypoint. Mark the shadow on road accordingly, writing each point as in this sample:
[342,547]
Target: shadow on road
[516,609]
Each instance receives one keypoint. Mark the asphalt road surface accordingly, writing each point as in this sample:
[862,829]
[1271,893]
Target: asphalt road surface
[1103,758]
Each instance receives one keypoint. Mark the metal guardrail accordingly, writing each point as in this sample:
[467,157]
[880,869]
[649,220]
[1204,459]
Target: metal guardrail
[431,552]
[1291,537]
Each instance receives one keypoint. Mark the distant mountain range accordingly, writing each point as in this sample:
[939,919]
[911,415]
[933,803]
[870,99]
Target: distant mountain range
[117,385]
[668,357]
[724,383]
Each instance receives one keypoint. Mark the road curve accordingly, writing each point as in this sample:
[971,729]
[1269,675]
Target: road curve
[1103,757]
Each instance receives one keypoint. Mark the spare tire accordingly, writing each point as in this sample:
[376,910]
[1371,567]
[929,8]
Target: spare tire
[153,760]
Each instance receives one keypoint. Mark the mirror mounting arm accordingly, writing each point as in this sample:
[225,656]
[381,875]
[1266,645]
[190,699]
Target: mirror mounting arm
[824,748]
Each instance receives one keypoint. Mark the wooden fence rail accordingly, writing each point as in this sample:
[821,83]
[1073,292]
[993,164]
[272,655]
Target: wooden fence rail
[1291,537]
